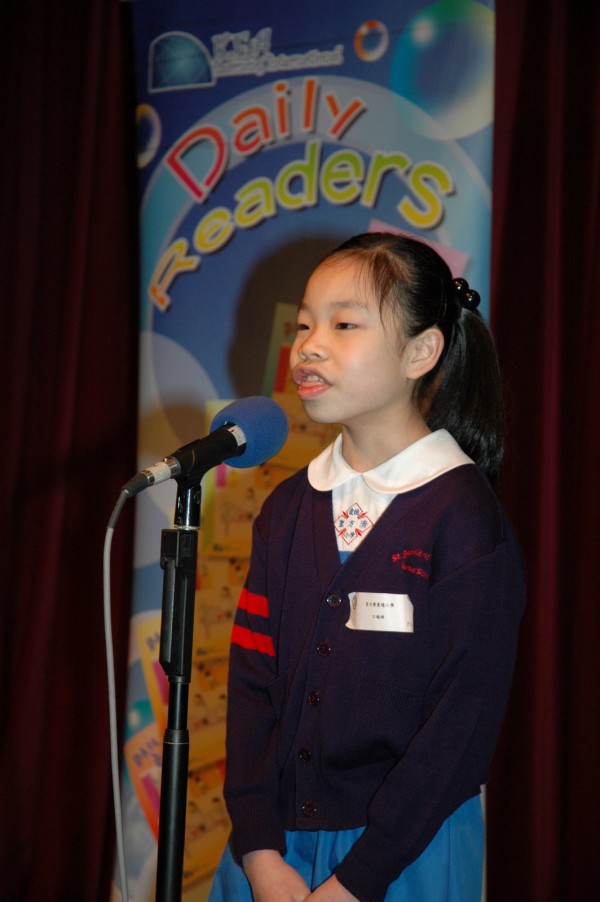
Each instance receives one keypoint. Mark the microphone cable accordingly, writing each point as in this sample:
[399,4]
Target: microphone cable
[112,696]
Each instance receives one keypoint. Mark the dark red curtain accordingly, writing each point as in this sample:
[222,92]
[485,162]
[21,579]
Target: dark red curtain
[68,409]
[544,798]
[68,373]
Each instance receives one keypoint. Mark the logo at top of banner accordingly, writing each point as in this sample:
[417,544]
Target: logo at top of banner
[180,60]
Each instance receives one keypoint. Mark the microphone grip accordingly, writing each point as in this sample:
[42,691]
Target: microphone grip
[198,457]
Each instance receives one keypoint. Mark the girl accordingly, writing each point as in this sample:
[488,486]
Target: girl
[374,642]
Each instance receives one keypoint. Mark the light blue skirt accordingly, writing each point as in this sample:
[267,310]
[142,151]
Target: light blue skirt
[449,870]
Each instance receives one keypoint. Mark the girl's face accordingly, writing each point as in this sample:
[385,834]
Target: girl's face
[349,365]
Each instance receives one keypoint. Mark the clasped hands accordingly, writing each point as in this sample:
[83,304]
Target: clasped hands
[273,880]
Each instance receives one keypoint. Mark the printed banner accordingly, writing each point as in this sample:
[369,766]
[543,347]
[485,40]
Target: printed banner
[268,134]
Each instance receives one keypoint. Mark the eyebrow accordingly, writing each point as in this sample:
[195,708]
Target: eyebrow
[339,305]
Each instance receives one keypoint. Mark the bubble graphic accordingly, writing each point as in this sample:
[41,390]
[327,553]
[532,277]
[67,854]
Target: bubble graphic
[443,69]
[371,41]
[149,133]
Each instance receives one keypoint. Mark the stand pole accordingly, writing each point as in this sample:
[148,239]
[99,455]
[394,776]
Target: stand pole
[178,559]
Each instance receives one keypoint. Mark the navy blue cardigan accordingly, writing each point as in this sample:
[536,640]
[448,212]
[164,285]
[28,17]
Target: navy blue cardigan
[332,728]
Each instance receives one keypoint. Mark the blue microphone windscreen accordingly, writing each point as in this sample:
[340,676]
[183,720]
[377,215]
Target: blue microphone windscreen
[263,423]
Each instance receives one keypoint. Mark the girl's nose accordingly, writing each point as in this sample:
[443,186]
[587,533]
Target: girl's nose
[311,348]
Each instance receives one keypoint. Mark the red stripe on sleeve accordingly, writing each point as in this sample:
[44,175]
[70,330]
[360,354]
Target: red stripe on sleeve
[254,641]
[254,604]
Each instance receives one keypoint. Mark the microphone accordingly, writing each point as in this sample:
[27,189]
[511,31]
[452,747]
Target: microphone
[245,433]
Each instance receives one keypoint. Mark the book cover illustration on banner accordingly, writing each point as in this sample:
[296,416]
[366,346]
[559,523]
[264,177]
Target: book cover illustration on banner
[266,136]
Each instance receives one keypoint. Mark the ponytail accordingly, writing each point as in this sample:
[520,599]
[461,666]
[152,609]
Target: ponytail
[464,396]
[463,392]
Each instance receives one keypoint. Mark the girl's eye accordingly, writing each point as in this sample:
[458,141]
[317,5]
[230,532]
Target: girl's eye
[346,326]
[300,327]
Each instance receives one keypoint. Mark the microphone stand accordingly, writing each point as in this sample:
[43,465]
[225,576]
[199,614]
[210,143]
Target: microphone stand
[178,560]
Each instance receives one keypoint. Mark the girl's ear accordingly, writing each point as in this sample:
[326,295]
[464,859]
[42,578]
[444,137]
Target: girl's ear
[425,350]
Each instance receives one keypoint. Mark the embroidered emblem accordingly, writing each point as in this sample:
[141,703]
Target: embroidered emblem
[352,523]
[400,558]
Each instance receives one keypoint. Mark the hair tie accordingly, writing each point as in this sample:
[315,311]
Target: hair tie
[467,297]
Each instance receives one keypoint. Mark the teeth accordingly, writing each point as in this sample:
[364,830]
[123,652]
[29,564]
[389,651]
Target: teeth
[312,378]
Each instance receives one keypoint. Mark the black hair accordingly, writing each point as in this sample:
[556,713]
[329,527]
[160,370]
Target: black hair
[463,392]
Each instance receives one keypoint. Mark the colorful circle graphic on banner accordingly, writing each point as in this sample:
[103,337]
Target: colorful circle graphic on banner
[444,75]
[371,41]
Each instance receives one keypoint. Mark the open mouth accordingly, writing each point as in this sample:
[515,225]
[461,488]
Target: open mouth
[309,383]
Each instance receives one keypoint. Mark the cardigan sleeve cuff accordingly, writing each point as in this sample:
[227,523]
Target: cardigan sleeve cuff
[371,865]
[362,879]
[255,828]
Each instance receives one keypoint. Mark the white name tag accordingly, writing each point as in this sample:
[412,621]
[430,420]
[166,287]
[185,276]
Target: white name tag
[382,612]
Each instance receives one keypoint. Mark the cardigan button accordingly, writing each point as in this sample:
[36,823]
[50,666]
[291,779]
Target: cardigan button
[324,649]
[309,809]
[314,697]
[305,755]
[334,601]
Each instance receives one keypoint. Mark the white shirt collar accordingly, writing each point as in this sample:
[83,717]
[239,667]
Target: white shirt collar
[421,462]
